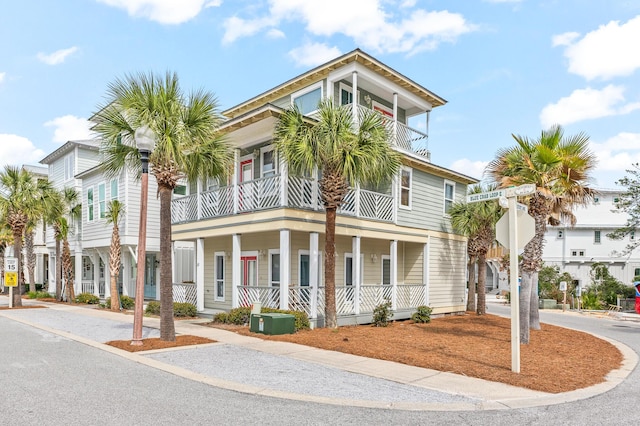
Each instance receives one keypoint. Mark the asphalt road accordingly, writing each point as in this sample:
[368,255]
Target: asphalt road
[46,379]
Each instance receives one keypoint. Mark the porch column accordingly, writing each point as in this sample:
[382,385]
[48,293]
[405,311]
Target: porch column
[425,272]
[200,274]
[77,279]
[236,273]
[39,270]
[314,279]
[236,179]
[395,195]
[126,273]
[199,199]
[355,272]
[284,181]
[395,118]
[393,261]
[285,267]
[95,265]
[354,97]
[107,275]
[52,272]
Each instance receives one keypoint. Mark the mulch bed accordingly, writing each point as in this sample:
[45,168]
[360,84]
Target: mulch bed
[156,343]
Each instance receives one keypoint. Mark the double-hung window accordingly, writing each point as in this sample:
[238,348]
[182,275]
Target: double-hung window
[596,237]
[406,176]
[69,165]
[102,201]
[90,213]
[114,189]
[307,99]
[219,275]
[449,195]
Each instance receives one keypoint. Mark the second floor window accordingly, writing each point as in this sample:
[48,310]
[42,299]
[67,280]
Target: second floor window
[69,165]
[449,194]
[596,237]
[114,189]
[307,99]
[405,188]
[90,204]
[268,163]
[102,201]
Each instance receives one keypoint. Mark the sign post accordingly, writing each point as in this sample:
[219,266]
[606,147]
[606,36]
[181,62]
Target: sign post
[514,241]
[563,289]
[10,276]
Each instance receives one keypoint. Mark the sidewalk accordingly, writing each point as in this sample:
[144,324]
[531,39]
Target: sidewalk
[286,370]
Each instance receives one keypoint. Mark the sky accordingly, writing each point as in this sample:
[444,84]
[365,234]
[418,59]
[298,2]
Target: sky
[506,67]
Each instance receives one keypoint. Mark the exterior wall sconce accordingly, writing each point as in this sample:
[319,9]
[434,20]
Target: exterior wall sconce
[374,257]
[262,253]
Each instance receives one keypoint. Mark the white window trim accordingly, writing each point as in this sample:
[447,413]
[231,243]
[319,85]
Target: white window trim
[349,89]
[93,205]
[382,259]
[102,215]
[300,254]
[264,150]
[69,166]
[306,90]
[560,234]
[597,240]
[400,205]
[444,195]
[344,272]
[271,252]
[216,297]
[111,189]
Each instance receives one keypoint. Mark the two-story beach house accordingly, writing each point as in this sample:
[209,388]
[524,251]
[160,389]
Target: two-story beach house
[260,237]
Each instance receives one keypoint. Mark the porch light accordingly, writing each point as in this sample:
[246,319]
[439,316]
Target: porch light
[374,257]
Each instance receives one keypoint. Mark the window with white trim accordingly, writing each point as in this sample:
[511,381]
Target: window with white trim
[307,99]
[69,165]
[274,267]
[218,273]
[386,269]
[114,189]
[449,195]
[406,175]
[577,252]
[90,206]
[560,234]
[269,163]
[632,236]
[102,200]
[596,237]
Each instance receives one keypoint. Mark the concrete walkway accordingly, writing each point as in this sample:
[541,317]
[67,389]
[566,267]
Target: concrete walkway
[286,370]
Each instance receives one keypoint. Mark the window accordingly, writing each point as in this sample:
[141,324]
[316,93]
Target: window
[449,194]
[114,189]
[274,268]
[632,236]
[577,252]
[102,203]
[636,272]
[405,187]
[307,100]
[596,200]
[616,200]
[596,237]
[89,204]
[180,190]
[346,94]
[386,270]
[560,235]
[219,274]
[269,167]
[69,163]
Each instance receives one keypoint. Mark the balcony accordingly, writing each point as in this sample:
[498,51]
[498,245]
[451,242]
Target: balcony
[277,191]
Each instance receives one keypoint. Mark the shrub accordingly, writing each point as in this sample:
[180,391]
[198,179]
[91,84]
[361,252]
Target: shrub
[590,301]
[422,314]
[88,298]
[240,316]
[125,301]
[382,314]
[153,308]
[184,309]
[38,295]
[221,317]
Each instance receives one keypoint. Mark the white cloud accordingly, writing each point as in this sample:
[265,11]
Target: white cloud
[163,11]
[275,33]
[312,54]
[17,150]
[564,39]
[57,57]
[610,51]
[2,76]
[470,168]
[69,127]
[365,21]
[585,104]
[618,152]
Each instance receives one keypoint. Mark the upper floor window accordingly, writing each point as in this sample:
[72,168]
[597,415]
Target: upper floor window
[90,204]
[114,189]
[449,195]
[577,252]
[596,200]
[596,237]
[180,190]
[406,176]
[102,200]
[69,165]
[307,99]
[269,165]
[632,236]
[560,234]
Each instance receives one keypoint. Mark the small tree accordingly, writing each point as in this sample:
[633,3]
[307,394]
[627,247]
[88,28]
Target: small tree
[629,202]
[605,286]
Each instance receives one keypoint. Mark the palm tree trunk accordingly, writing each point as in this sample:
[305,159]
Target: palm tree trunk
[482,278]
[525,306]
[58,270]
[30,260]
[331,320]
[534,310]
[114,268]
[471,293]
[167,327]
[17,250]
[67,271]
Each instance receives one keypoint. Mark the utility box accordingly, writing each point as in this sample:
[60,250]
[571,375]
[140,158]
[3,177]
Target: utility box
[272,323]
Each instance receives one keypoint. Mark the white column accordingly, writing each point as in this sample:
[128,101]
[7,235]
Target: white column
[236,273]
[284,181]
[425,272]
[107,276]
[395,118]
[77,279]
[199,199]
[355,272]
[52,271]
[395,195]
[95,261]
[39,270]
[393,261]
[285,267]
[236,179]
[354,96]
[200,274]
[314,279]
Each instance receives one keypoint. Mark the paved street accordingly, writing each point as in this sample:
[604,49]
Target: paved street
[59,380]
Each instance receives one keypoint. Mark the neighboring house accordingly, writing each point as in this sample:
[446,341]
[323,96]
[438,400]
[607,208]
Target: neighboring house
[261,237]
[576,249]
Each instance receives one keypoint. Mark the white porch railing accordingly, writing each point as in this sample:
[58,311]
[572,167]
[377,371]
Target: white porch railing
[185,293]
[87,286]
[267,295]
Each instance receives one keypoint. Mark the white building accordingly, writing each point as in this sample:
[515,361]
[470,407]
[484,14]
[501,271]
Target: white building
[575,249]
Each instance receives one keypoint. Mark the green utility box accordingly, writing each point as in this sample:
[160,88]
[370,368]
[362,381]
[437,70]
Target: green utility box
[274,323]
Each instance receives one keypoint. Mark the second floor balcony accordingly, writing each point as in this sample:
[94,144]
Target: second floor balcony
[277,191]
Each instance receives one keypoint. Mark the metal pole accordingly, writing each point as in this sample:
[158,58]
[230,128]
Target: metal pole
[515,291]
[142,251]
[10,297]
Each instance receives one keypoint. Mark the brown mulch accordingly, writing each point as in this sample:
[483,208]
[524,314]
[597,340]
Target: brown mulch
[156,343]
[556,359]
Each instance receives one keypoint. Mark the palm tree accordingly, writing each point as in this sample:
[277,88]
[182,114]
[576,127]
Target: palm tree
[67,263]
[187,144]
[477,221]
[115,210]
[559,167]
[21,195]
[5,241]
[345,154]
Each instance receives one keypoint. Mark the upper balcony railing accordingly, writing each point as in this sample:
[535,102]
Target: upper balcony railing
[277,191]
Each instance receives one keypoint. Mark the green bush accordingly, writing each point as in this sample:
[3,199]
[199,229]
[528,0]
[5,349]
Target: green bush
[382,314]
[88,298]
[590,301]
[241,316]
[422,314]
[222,318]
[153,308]
[39,295]
[125,301]
[184,309]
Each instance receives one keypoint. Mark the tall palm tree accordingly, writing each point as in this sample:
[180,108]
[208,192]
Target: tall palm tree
[115,210]
[67,263]
[6,240]
[559,167]
[187,144]
[346,154]
[477,221]
[20,197]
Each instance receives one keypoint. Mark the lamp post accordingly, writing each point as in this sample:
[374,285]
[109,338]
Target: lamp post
[145,140]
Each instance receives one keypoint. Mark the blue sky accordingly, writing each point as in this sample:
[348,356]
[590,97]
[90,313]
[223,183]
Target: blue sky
[504,66]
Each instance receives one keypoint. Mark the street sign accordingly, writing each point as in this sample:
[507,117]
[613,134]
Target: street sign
[485,196]
[563,286]
[526,229]
[10,272]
